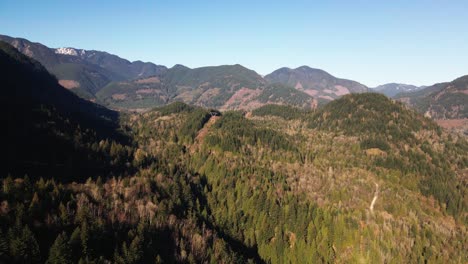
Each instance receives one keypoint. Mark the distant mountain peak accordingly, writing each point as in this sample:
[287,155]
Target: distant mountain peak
[69,51]
[392,89]
[308,68]
[180,66]
[315,82]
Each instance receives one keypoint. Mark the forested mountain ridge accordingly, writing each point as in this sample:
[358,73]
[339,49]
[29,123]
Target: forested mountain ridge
[50,130]
[315,82]
[302,187]
[85,72]
[123,85]
[222,87]
[120,84]
[387,128]
[441,101]
[209,86]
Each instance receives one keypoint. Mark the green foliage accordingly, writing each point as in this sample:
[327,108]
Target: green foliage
[23,245]
[132,95]
[284,111]
[375,142]
[357,114]
[3,247]
[446,103]
[195,121]
[389,125]
[90,78]
[182,84]
[234,131]
[60,252]
[174,108]
[442,100]
[313,79]
[278,93]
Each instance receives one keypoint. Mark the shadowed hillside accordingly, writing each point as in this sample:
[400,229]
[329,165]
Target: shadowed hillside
[83,71]
[49,129]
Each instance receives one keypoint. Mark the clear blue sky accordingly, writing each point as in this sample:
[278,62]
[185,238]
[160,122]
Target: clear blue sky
[374,42]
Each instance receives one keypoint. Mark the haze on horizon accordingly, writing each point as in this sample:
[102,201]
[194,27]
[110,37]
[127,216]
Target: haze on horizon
[418,42]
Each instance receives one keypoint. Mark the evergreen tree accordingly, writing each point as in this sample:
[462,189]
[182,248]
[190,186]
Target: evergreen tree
[8,184]
[60,251]
[75,243]
[63,214]
[3,247]
[84,237]
[23,246]
[34,206]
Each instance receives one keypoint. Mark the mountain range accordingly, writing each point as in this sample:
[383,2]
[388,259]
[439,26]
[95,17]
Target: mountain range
[223,87]
[123,85]
[118,83]
[85,72]
[441,101]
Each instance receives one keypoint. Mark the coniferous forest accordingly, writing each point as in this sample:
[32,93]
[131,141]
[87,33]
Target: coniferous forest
[363,179]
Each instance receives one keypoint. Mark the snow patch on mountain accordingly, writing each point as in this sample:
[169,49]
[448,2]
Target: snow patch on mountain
[392,89]
[67,51]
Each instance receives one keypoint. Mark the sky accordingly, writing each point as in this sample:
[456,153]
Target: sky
[418,42]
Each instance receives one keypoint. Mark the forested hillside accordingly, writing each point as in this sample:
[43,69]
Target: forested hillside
[51,132]
[317,83]
[75,187]
[293,187]
[222,87]
[362,180]
[442,100]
